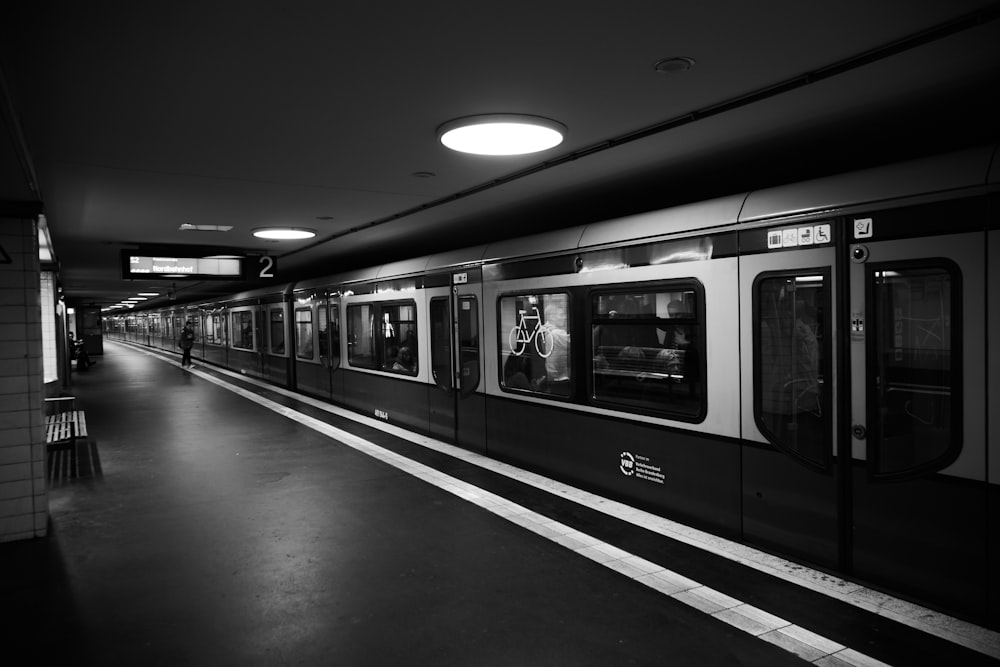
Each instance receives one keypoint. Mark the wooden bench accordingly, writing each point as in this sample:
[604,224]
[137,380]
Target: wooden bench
[63,425]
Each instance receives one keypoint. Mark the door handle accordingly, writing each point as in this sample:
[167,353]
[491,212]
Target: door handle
[859,431]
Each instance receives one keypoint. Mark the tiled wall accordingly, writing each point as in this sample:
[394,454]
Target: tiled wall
[23,497]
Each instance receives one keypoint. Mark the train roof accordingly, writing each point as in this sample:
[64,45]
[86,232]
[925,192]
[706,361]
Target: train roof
[878,186]
[883,186]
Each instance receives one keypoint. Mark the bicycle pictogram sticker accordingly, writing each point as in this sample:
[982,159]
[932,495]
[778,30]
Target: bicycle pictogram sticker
[524,334]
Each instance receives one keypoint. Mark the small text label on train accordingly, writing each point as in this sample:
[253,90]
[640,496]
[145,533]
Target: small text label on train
[381,414]
[641,467]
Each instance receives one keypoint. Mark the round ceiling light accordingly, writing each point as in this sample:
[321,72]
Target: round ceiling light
[283,233]
[673,65]
[501,134]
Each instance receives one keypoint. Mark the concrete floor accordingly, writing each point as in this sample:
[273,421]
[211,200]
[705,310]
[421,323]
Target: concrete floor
[207,530]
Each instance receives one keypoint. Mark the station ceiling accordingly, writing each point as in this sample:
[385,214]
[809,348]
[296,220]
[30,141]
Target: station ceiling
[127,124]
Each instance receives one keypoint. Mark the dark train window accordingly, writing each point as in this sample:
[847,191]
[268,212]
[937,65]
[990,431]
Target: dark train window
[399,337]
[360,343]
[383,336]
[303,333]
[323,328]
[647,349]
[440,328]
[242,329]
[535,343]
[468,343]
[277,331]
[791,364]
[915,362]
[333,333]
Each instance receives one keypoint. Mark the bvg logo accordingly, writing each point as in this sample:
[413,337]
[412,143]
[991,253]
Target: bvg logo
[627,465]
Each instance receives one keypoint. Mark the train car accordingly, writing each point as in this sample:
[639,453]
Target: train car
[807,369]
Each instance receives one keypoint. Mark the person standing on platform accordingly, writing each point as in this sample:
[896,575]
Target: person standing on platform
[187,342]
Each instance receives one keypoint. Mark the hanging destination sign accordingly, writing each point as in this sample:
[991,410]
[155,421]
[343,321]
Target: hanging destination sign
[140,267]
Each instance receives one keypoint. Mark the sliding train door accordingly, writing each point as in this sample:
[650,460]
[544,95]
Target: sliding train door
[791,495]
[458,407]
[918,442]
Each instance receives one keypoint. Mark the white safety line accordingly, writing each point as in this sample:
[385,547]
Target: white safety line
[800,641]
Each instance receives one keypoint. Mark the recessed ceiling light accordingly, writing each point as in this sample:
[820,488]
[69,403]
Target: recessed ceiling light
[149,294]
[283,233]
[501,134]
[673,65]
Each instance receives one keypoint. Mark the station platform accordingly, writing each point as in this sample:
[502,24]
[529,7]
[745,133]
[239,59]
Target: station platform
[216,520]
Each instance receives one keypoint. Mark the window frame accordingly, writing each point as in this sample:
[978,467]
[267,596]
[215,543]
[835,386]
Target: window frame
[237,331]
[697,321]
[281,309]
[956,369]
[309,309]
[824,463]
[377,334]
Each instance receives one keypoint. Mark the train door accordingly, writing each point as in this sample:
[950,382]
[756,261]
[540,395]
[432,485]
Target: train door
[791,498]
[917,412]
[458,408]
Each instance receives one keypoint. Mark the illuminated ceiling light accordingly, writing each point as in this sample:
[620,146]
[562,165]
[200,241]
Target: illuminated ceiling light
[501,134]
[283,233]
[136,298]
[149,294]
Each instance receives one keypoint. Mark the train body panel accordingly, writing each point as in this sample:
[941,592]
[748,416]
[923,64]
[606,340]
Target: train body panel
[800,368]
[679,474]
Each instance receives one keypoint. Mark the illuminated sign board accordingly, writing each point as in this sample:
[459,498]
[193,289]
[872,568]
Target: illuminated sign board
[140,267]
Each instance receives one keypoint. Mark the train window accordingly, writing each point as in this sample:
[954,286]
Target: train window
[323,328]
[209,329]
[276,330]
[399,337]
[535,343]
[791,364]
[440,326]
[468,343]
[219,330]
[213,329]
[646,349]
[915,311]
[303,333]
[360,345]
[242,328]
[334,334]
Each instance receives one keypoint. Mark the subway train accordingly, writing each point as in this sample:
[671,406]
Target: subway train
[809,369]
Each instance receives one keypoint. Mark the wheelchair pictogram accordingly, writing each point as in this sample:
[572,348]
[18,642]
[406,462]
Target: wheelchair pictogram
[524,334]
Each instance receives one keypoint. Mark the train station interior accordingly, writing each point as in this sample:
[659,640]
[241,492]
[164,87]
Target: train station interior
[500,404]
